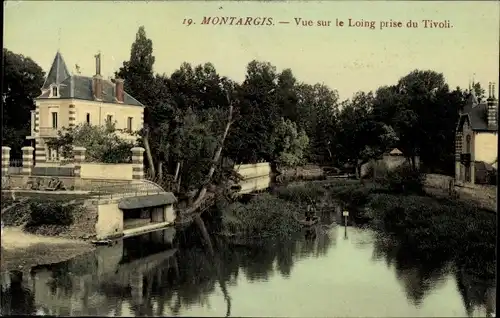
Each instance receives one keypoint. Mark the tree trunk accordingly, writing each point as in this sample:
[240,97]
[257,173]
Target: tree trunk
[201,225]
[160,170]
[215,160]
[148,153]
[177,168]
[179,184]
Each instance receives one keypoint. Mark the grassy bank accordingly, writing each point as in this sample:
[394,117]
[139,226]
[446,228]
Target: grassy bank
[263,216]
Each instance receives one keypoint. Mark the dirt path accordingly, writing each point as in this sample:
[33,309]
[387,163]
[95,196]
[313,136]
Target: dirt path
[21,250]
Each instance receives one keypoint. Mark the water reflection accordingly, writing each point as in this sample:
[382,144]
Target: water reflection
[318,275]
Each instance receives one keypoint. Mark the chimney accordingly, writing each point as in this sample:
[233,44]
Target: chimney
[97,79]
[119,90]
[98,64]
[492,103]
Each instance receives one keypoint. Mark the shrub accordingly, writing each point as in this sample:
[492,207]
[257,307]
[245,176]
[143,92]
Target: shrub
[404,179]
[50,213]
[301,193]
[376,170]
[263,216]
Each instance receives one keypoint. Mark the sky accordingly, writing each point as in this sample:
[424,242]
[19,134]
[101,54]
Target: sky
[348,59]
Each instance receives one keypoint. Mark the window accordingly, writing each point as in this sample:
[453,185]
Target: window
[129,124]
[54,120]
[88,118]
[54,91]
[109,119]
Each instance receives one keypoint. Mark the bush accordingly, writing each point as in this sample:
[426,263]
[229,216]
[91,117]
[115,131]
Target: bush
[301,193]
[404,179]
[263,216]
[50,213]
[376,170]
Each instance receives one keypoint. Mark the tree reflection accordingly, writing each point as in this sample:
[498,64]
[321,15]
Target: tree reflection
[476,294]
[15,299]
[101,283]
[419,276]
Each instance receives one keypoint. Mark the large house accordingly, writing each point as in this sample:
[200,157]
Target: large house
[68,100]
[477,139]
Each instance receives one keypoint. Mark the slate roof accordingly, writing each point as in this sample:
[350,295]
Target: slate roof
[476,114]
[79,87]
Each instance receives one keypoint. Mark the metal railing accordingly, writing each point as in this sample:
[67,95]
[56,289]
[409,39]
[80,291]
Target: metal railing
[103,190]
[16,163]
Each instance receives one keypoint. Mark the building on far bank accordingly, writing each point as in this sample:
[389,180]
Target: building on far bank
[390,160]
[68,100]
[476,141]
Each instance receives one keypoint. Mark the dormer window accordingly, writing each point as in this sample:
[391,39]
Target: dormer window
[54,92]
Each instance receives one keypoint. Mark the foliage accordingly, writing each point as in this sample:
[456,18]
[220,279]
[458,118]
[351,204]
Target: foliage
[102,143]
[50,213]
[404,179]
[137,73]
[22,80]
[301,193]
[317,113]
[424,113]
[263,216]
[448,228]
[376,170]
[361,137]
[288,144]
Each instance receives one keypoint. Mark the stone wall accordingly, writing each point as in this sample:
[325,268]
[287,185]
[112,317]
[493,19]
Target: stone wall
[248,171]
[77,174]
[306,171]
[483,195]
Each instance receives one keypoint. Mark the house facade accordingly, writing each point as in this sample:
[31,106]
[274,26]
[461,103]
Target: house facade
[68,100]
[476,142]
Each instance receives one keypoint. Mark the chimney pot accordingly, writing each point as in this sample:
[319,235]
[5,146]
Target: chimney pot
[489,89]
[119,89]
[493,90]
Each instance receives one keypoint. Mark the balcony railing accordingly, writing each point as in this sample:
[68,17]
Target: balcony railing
[48,132]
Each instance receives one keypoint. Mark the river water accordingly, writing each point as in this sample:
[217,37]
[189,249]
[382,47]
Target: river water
[338,272]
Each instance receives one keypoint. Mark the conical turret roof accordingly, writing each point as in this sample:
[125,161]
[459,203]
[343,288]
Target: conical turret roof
[58,72]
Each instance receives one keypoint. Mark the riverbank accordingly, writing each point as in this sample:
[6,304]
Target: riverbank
[22,250]
[441,228]
[64,216]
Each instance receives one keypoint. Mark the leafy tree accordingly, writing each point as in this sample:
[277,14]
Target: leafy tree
[360,137]
[102,143]
[478,91]
[22,80]
[289,144]
[258,111]
[138,71]
[317,109]
[424,113]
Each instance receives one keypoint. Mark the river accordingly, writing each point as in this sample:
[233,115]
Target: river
[341,272]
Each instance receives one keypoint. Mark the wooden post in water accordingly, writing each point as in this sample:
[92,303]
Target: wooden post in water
[345,214]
